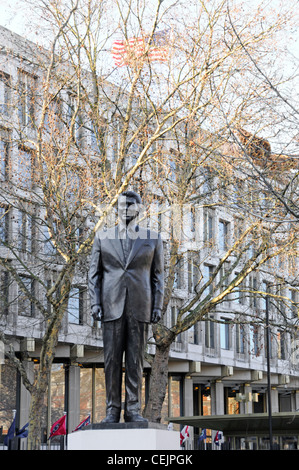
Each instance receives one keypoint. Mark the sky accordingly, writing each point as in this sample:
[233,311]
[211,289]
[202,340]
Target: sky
[12,15]
[16,16]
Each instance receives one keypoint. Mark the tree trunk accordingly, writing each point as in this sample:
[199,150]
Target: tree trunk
[35,420]
[158,383]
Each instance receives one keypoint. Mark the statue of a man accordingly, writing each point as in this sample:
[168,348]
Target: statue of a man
[126,285]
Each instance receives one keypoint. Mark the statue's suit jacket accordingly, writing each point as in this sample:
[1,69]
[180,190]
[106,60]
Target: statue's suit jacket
[137,283]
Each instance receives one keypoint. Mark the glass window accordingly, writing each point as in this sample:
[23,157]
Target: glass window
[254,340]
[240,339]
[4,291]
[75,305]
[4,162]
[4,223]
[223,235]
[209,334]
[207,274]
[5,93]
[281,345]
[208,226]
[224,334]
[25,229]
[24,173]
[193,271]
[26,293]
[27,85]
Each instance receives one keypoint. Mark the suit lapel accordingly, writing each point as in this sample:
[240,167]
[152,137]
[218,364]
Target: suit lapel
[116,245]
[137,243]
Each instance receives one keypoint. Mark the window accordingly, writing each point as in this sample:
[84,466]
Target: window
[207,274]
[208,228]
[293,300]
[4,223]
[27,87]
[224,275]
[253,289]
[174,315]
[192,216]
[239,291]
[49,248]
[172,169]
[116,139]
[73,113]
[209,334]
[223,235]
[4,163]
[5,93]
[26,231]
[265,342]
[254,340]
[224,334]
[25,170]
[179,274]
[281,341]
[4,291]
[135,151]
[53,116]
[193,271]
[26,294]
[97,138]
[196,333]
[240,338]
[265,289]
[208,182]
[76,305]
[155,216]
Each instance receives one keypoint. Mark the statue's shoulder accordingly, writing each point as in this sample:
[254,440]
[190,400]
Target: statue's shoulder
[106,233]
[147,234]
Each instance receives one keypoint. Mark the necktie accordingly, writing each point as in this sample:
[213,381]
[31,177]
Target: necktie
[126,243]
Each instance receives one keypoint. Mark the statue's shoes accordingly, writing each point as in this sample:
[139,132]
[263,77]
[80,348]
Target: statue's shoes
[134,418]
[111,418]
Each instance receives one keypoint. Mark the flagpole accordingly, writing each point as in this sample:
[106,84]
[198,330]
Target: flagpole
[66,430]
[49,411]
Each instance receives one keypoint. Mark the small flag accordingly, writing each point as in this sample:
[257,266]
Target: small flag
[23,432]
[218,438]
[83,423]
[58,428]
[203,435]
[11,432]
[184,434]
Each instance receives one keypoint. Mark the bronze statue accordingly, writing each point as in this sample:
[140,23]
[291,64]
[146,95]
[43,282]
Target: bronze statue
[126,291]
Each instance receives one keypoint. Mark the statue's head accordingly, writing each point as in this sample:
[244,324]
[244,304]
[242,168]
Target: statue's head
[129,204]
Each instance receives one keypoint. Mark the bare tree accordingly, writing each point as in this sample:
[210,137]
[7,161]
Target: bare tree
[86,128]
[222,234]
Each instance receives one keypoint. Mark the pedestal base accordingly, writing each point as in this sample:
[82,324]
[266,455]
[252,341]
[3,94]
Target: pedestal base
[124,436]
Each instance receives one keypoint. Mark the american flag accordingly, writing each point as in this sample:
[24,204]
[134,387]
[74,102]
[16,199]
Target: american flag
[184,434]
[126,52]
[83,423]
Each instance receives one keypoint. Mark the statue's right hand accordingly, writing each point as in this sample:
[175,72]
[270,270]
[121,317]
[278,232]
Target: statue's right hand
[97,313]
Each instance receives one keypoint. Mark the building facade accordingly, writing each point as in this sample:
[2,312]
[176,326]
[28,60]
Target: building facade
[216,367]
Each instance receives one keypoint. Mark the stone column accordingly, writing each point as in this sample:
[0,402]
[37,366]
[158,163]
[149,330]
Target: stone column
[274,400]
[25,396]
[188,407]
[217,398]
[73,387]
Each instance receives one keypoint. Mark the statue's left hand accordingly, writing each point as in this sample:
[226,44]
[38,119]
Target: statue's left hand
[156,315]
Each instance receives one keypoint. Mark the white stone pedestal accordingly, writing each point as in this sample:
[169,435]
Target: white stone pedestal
[126,437]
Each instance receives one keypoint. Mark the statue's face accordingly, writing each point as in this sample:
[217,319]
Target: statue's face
[127,209]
